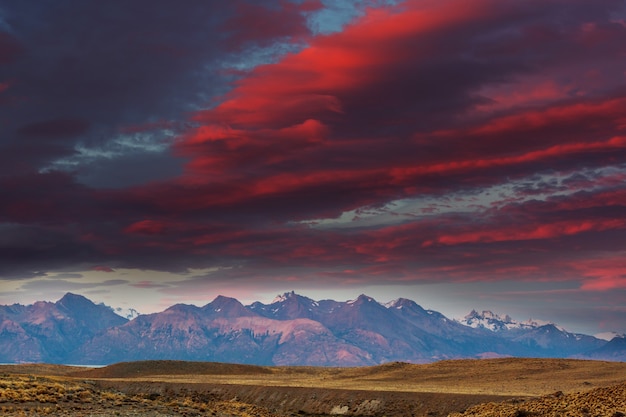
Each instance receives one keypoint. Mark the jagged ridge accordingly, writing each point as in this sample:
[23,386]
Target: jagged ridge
[291,330]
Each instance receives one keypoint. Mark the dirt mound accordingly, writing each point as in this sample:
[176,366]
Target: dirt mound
[166,367]
[608,401]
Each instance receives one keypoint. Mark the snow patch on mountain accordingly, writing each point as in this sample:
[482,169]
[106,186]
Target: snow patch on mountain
[392,304]
[127,313]
[398,303]
[496,323]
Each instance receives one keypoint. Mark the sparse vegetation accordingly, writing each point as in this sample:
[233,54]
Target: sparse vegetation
[464,388]
[29,396]
[606,401]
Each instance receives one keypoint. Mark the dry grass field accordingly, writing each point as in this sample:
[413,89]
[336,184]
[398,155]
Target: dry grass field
[493,387]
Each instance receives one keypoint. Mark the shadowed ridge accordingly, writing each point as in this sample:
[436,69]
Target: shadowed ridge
[89,316]
[614,350]
[167,367]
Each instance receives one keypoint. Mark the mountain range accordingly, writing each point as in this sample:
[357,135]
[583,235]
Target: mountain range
[292,330]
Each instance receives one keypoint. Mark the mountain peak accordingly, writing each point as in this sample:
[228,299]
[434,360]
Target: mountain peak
[489,320]
[292,296]
[227,307]
[361,299]
[288,306]
[222,299]
[181,308]
[284,297]
[80,307]
[401,303]
[71,299]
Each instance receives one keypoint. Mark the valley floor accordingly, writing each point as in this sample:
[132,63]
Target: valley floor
[499,387]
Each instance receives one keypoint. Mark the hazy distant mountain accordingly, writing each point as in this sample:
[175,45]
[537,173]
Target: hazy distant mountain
[544,338]
[608,335]
[291,330]
[614,350]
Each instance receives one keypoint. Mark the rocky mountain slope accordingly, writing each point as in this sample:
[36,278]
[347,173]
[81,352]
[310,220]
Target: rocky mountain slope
[292,330]
[51,332]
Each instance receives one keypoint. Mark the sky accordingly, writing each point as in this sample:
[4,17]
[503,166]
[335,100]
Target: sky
[463,154]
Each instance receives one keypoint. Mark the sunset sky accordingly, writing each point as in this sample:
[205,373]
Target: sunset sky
[463,154]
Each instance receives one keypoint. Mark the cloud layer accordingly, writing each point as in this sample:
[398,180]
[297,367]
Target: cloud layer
[425,141]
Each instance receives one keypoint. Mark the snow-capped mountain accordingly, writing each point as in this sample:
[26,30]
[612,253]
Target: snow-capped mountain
[291,330]
[552,339]
[496,323]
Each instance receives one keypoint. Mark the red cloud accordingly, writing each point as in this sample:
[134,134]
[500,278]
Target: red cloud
[530,232]
[313,82]
[394,106]
[617,143]
[385,110]
[149,227]
[595,113]
[602,274]
[319,118]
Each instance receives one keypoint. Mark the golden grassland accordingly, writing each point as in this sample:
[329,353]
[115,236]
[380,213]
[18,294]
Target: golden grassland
[511,377]
[30,395]
[490,387]
[599,402]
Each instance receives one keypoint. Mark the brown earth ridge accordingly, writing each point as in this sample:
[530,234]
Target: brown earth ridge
[491,387]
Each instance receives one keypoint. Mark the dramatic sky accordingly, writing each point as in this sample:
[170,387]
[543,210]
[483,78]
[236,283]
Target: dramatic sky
[464,154]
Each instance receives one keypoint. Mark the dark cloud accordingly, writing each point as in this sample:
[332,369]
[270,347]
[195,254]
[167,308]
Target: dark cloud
[109,66]
[10,48]
[256,23]
[68,276]
[130,151]
[61,286]
[58,128]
